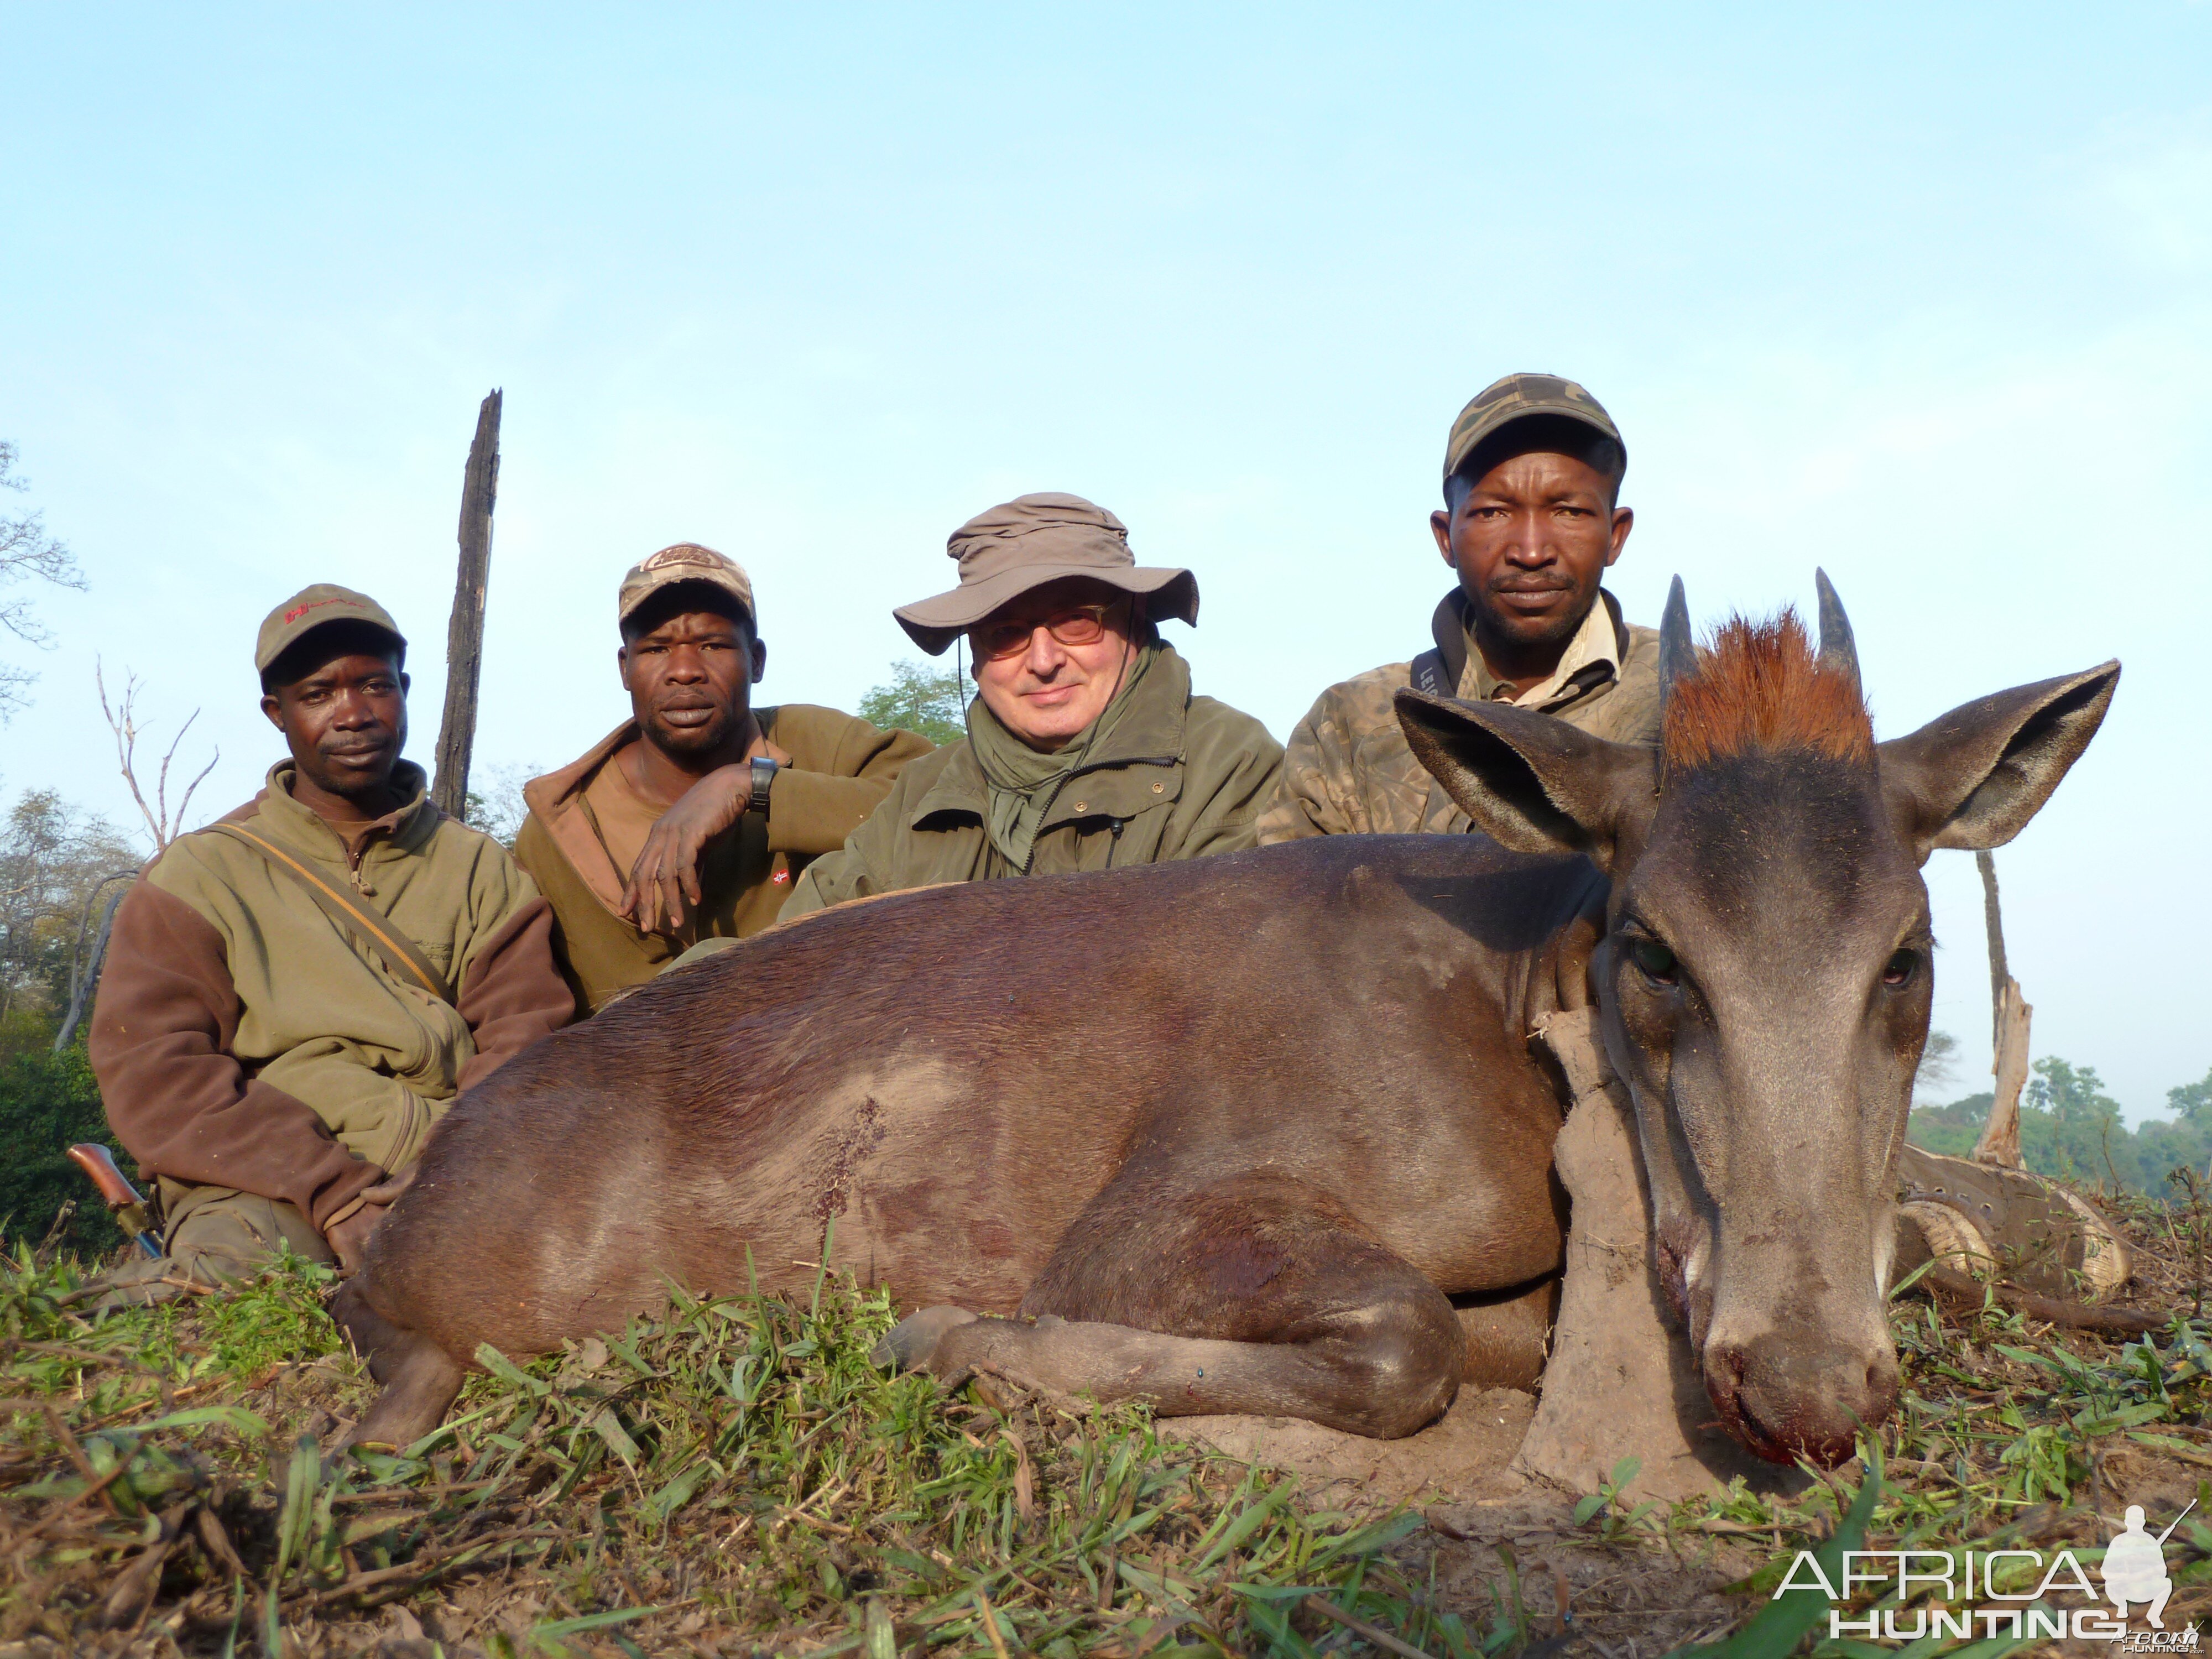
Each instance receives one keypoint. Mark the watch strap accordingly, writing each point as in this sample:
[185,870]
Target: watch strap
[764,771]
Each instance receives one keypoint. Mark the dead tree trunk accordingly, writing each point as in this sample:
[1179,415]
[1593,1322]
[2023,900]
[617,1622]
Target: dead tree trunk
[2009,1014]
[457,732]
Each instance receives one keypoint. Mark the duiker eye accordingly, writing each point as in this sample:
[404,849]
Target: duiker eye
[1654,959]
[1901,969]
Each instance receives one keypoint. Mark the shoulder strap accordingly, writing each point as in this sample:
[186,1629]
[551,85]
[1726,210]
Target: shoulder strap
[387,943]
[1429,674]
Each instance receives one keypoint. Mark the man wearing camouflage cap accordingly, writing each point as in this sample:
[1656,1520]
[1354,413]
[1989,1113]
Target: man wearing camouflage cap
[1531,521]
[689,823]
[295,993]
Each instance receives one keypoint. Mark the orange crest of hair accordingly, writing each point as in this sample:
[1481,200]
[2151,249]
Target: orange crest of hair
[1760,688]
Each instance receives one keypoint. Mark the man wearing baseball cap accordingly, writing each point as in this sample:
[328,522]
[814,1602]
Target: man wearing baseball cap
[690,820]
[1531,522]
[1085,749]
[296,993]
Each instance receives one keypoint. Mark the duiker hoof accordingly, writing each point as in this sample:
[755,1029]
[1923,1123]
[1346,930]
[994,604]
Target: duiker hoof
[908,1344]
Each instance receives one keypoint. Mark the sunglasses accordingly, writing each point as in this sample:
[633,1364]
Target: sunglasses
[1081,624]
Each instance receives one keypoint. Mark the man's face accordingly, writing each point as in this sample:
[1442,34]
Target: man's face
[690,680]
[346,723]
[1046,691]
[1530,541]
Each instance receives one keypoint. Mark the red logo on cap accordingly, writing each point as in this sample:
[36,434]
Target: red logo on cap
[300,610]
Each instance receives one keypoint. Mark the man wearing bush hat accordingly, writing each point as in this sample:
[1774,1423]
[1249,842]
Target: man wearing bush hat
[1530,524]
[1086,748]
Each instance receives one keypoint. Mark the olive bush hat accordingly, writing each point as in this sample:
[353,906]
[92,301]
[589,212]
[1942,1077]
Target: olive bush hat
[1028,541]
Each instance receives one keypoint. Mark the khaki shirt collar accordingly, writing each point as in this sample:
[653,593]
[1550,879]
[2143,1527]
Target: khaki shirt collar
[1592,658]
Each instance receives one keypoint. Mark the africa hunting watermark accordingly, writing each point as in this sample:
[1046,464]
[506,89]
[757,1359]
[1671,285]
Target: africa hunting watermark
[1986,1593]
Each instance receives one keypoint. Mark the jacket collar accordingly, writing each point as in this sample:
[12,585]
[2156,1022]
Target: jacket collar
[553,798]
[405,828]
[1450,623]
[1145,747]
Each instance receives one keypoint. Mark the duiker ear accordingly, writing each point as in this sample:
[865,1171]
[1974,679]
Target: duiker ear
[1531,780]
[1974,777]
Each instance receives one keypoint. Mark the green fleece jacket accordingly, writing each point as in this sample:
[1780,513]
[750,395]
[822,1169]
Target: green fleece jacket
[241,1039]
[1178,777]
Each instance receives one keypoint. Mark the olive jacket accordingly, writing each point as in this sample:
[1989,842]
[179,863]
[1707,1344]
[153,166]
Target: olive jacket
[841,766]
[1178,777]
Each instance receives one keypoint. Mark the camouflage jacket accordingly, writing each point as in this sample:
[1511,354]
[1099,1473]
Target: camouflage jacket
[1348,771]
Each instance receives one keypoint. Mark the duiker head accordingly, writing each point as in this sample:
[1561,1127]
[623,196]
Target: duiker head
[1765,978]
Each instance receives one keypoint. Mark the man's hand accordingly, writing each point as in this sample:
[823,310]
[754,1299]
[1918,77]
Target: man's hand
[349,1239]
[666,874]
[665,877]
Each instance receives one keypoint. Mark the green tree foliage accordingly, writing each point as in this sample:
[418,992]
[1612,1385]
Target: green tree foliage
[1951,1130]
[922,697]
[2192,1102]
[2070,1128]
[2075,1118]
[57,865]
[48,1103]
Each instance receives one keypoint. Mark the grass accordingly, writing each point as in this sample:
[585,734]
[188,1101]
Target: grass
[736,1478]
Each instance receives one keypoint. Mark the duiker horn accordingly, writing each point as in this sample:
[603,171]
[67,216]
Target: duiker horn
[1838,648]
[1677,652]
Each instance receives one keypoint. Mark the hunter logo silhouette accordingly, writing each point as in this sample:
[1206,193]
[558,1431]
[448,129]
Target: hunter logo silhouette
[2135,1566]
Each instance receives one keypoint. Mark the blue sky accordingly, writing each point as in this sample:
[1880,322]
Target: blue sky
[1923,296]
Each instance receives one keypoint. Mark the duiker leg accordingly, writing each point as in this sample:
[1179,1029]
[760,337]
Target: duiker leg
[420,1380]
[1253,1295]
[1508,1334]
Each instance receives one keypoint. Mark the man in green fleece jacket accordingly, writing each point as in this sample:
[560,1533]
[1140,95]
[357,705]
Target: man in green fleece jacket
[1085,749]
[295,993]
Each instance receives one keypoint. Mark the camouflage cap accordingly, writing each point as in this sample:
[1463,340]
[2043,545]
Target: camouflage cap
[317,607]
[686,561]
[1516,397]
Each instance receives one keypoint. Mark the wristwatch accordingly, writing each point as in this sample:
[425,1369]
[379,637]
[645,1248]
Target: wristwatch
[764,771]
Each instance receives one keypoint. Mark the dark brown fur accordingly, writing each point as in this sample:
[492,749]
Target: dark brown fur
[1250,1100]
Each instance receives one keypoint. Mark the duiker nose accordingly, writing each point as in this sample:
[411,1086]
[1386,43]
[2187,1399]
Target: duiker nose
[1788,1396]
